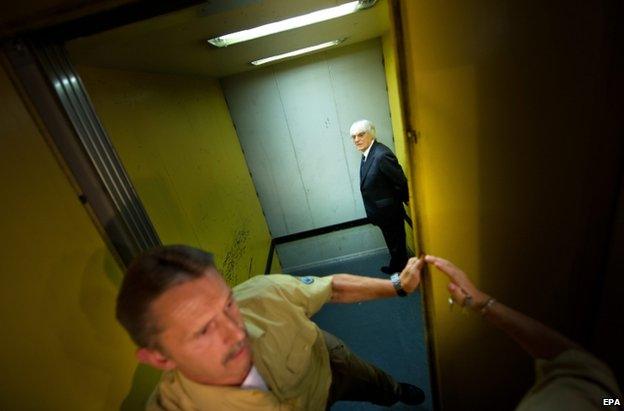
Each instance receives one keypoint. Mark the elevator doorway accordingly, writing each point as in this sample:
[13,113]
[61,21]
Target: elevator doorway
[228,157]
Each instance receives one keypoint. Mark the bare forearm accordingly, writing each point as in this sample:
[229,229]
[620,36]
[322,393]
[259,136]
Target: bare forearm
[347,288]
[537,339]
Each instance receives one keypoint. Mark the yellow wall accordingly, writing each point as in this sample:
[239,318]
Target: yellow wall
[176,139]
[388,45]
[61,347]
[515,164]
[390,68]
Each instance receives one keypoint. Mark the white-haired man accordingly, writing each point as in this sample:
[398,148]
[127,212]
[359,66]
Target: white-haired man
[384,188]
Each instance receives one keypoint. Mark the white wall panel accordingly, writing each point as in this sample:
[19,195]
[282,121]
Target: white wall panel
[316,138]
[265,138]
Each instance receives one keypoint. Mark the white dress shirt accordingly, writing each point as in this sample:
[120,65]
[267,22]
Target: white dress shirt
[368,149]
[254,381]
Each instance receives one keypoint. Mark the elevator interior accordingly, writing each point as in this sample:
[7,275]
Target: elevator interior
[168,101]
[227,156]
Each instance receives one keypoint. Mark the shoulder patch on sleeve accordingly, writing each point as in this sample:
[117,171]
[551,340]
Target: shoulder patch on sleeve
[307,279]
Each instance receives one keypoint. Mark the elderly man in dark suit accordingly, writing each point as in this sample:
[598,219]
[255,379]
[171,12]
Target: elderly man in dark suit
[384,188]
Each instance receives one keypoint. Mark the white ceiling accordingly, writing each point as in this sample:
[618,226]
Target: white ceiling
[176,42]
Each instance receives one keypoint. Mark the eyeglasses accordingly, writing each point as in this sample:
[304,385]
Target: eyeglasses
[360,135]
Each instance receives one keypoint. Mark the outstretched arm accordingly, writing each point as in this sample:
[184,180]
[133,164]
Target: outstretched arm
[348,288]
[534,337]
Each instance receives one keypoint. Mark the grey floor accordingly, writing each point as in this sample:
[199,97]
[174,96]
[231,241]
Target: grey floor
[388,333]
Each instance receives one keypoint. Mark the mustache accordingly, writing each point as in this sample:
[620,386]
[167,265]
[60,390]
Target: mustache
[232,352]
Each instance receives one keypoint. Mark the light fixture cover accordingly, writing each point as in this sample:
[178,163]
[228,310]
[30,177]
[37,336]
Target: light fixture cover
[297,52]
[291,23]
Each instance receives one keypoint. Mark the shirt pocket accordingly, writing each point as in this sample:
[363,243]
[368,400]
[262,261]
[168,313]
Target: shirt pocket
[298,359]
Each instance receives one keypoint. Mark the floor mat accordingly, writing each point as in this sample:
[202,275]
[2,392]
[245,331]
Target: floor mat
[388,333]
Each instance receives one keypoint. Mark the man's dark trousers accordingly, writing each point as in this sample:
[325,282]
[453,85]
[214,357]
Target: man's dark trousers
[353,379]
[394,234]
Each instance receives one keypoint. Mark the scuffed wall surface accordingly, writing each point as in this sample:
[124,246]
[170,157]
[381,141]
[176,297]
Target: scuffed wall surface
[176,139]
[235,254]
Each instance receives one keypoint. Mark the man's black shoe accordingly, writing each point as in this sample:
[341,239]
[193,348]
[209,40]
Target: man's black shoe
[387,270]
[410,394]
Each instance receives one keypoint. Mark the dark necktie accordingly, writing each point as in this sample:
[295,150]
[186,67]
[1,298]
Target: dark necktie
[362,167]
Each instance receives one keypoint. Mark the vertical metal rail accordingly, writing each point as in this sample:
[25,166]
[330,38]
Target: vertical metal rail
[61,103]
[96,143]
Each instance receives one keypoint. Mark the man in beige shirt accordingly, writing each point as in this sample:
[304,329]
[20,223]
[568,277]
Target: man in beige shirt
[252,347]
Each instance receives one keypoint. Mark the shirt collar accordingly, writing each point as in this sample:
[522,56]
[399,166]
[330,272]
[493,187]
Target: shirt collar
[368,149]
[254,381]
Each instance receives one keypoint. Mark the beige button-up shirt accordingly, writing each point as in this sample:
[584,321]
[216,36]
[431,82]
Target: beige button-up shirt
[288,349]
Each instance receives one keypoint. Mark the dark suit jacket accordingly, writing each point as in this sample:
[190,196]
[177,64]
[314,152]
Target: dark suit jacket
[383,186]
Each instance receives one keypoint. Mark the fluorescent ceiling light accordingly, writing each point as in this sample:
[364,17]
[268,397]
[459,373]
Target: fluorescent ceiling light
[297,52]
[291,23]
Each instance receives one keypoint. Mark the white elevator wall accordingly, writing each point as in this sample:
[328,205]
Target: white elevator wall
[293,122]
